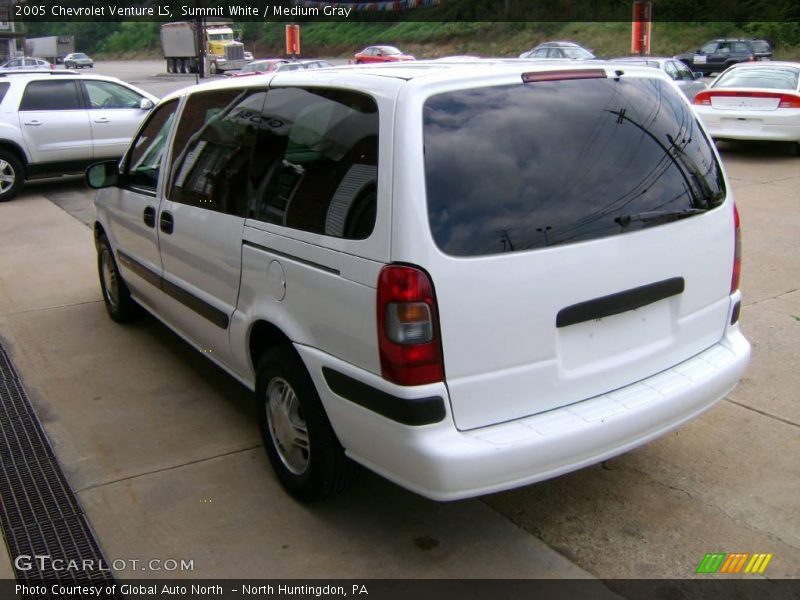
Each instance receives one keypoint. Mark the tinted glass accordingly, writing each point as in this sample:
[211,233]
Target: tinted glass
[51,95]
[776,78]
[684,72]
[143,163]
[104,94]
[524,166]
[741,47]
[709,47]
[212,149]
[3,89]
[315,164]
[579,53]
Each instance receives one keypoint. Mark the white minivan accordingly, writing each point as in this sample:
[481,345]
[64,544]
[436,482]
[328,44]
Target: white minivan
[465,277]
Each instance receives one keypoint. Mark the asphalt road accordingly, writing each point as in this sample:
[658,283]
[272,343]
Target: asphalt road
[727,482]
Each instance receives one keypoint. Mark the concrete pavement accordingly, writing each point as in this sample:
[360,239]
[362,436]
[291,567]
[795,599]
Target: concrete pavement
[163,452]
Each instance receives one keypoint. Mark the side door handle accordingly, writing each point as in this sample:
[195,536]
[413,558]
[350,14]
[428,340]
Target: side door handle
[150,216]
[33,123]
[102,120]
[166,222]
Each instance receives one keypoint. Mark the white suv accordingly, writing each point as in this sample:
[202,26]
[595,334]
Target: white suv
[466,277]
[54,123]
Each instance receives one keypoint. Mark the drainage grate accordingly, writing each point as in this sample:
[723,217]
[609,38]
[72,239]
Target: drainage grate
[39,514]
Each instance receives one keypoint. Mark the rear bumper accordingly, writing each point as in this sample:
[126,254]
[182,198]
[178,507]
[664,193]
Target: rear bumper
[442,463]
[751,125]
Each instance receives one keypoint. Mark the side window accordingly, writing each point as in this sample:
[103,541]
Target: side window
[741,48]
[315,164]
[670,69]
[51,94]
[105,94]
[684,72]
[3,89]
[212,149]
[143,163]
[709,48]
[724,49]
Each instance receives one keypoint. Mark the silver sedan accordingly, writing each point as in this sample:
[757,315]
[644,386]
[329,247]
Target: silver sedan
[689,82]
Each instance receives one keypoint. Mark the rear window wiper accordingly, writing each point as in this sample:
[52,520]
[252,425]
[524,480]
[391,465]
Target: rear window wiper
[663,216]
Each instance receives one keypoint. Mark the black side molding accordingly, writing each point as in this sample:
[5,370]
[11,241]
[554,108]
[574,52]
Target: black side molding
[417,411]
[621,302]
[201,307]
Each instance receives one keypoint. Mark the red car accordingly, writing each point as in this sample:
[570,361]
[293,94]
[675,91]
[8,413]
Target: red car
[381,54]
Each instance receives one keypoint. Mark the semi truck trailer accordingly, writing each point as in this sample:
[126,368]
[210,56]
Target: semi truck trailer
[223,51]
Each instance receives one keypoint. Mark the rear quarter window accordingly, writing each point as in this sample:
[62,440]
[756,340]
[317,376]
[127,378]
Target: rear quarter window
[3,89]
[524,166]
[315,164]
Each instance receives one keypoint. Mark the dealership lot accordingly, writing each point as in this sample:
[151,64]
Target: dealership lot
[164,455]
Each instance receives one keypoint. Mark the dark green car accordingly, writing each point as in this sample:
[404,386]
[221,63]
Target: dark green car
[717,55]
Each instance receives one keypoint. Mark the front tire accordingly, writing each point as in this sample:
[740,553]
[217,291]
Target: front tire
[300,443]
[12,175]
[121,307]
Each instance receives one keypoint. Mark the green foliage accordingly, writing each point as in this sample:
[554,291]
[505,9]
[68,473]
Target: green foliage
[132,36]
[89,35]
[780,34]
[456,35]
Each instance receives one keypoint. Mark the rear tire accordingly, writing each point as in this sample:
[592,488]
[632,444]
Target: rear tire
[300,443]
[797,148]
[12,175]
[121,307]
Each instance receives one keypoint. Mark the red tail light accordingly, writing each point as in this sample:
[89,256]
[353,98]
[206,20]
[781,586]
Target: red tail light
[408,327]
[789,101]
[737,251]
[785,100]
[703,98]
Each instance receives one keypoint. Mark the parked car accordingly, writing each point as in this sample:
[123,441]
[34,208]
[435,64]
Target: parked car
[380,54]
[559,50]
[688,81]
[78,60]
[717,55]
[303,65]
[754,101]
[27,63]
[276,65]
[58,122]
[257,67]
[407,275]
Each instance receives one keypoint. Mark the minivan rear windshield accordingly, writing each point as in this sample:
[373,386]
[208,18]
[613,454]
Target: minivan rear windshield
[524,166]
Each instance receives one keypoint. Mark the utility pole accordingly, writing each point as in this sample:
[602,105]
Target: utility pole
[200,45]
